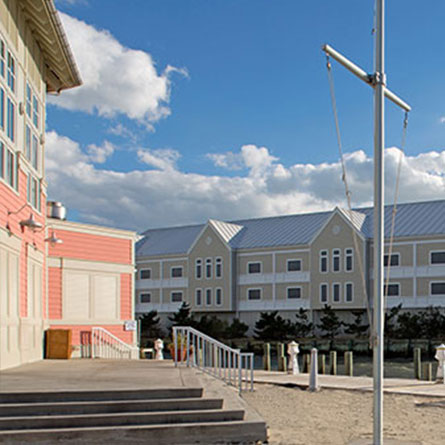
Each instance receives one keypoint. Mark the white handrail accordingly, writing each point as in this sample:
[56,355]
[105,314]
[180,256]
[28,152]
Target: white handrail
[106,345]
[211,356]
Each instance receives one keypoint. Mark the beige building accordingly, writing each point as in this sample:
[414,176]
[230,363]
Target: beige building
[241,268]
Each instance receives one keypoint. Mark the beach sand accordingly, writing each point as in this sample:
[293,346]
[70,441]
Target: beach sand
[299,417]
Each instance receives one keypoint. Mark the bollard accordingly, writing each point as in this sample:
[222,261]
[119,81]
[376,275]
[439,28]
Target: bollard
[440,357]
[266,357]
[313,378]
[292,350]
[322,364]
[333,363]
[417,363]
[306,363]
[428,372]
[281,358]
[348,364]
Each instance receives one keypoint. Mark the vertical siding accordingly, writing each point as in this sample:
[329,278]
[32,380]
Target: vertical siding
[125,294]
[84,246]
[54,293]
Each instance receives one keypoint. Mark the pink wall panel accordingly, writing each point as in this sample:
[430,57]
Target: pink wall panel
[85,246]
[54,293]
[126,296]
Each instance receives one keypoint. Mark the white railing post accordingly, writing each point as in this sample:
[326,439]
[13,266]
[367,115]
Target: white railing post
[188,348]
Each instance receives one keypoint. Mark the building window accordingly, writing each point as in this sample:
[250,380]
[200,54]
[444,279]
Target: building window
[145,274]
[336,260]
[145,298]
[349,292]
[349,260]
[33,192]
[293,292]
[218,297]
[198,269]
[11,119]
[208,297]
[8,167]
[35,153]
[254,294]
[392,290]
[2,58]
[336,292]
[437,257]
[28,100]
[176,272]
[11,72]
[395,260]
[254,267]
[2,108]
[208,268]
[218,268]
[28,143]
[323,261]
[176,297]
[35,111]
[438,288]
[198,297]
[293,265]
[323,293]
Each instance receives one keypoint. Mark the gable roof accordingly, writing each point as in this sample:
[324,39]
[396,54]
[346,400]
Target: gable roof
[412,219]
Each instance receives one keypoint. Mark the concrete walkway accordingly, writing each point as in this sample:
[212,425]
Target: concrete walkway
[398,386]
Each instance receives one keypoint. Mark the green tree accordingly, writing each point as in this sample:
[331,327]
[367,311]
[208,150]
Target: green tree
[150,328]
[272,327]
[410,325]
[183,317]
[302,326]
[357,328]
[432,321]
[330,324]
[391,321]
[237,329]
[212,326]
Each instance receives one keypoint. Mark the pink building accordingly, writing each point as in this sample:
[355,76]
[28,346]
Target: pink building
[91,282]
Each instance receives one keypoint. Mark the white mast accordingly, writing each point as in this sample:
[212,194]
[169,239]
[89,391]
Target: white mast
[378,82]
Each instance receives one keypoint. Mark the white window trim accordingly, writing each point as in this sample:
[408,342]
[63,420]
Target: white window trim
[334,255]
[345,292]
[431,288]
[140,272]
[207,262]
[254,262]
[430,255]
[176,292]
[254,299]
[327,293]
[205,297]
[399,286]
[216,300]
[352,259]
[196,297]
[397,254]
[221,264]
[321,256]
[294,287]
[339,292]
[196,267]
[177,267]
[140,297]
[294,259]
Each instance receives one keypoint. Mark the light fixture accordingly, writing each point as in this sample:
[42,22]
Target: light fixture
[31,223]
[53,240]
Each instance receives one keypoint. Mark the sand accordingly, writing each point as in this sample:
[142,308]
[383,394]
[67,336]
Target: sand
[296,416]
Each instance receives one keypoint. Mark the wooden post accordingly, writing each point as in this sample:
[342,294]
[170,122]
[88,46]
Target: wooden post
[417,363]
[306,363]
[322,363]
[266,357]
[428,372]
[282,364]
[348,364]
[333,363]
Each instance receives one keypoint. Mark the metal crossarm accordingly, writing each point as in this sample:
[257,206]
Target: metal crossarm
[198,350]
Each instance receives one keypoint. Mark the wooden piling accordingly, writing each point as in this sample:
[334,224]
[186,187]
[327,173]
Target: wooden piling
[266,357]
[417,363]
[348,364]
[333,362]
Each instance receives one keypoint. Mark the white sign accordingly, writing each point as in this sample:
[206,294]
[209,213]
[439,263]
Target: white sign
[130,325]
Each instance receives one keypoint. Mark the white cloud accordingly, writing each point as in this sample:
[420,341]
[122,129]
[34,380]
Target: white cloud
[166,196]
[116,80]
[442,120]
[100,154]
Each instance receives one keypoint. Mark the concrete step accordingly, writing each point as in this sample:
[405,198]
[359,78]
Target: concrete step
[184,434]
[120,406]
[73,396]
[118,419]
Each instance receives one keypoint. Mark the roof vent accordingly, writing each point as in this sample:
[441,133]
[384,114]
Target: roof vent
[55,210]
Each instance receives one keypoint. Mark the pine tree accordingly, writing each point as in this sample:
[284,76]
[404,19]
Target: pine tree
[329,322]
[302,326]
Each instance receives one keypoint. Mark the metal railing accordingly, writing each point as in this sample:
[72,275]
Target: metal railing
[106,345]
[213,357]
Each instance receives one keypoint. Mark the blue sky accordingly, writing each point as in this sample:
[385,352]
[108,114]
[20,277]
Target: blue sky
[233,116]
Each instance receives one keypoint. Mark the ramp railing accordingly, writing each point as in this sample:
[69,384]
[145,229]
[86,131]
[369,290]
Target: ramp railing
[213,357]
[106,345]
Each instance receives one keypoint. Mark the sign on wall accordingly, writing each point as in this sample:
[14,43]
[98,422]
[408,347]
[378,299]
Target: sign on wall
[130,325]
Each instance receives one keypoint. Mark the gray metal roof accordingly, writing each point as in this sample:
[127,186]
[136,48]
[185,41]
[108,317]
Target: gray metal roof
[412,219]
